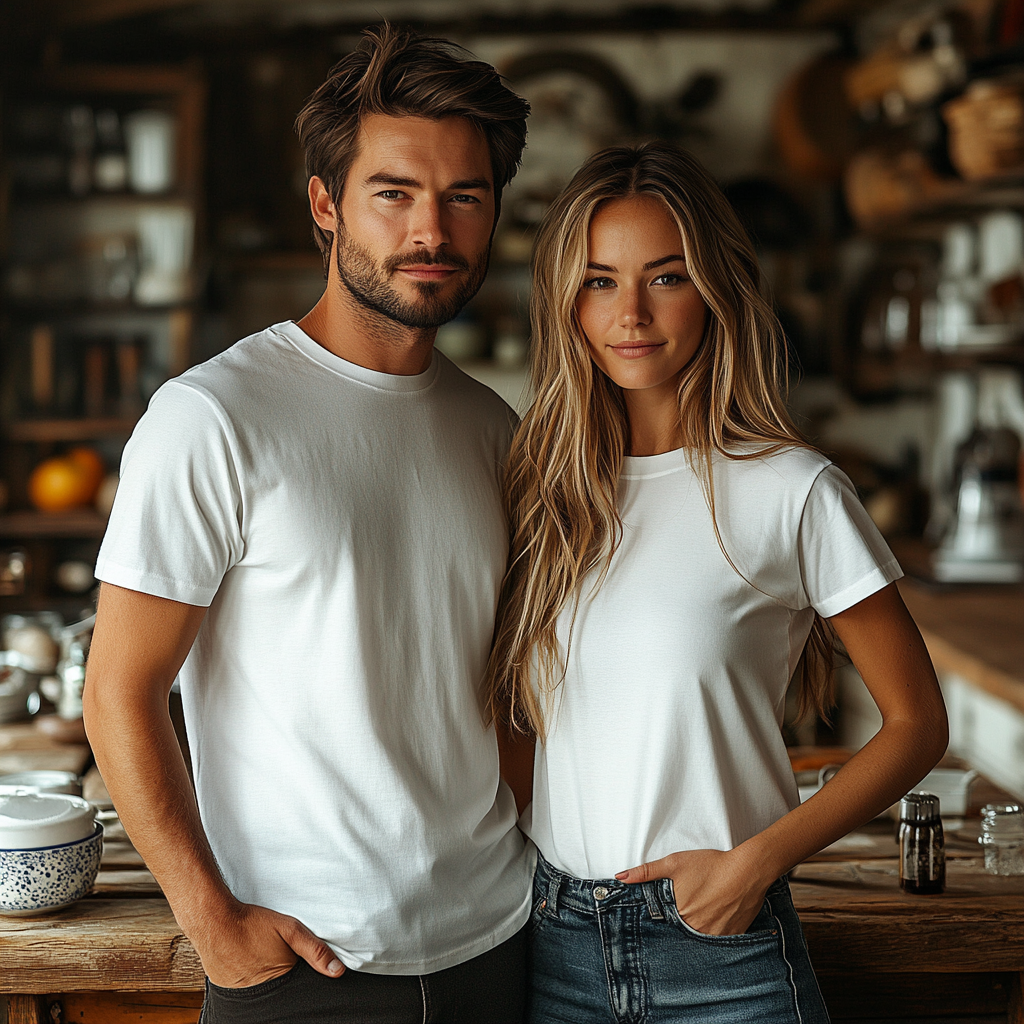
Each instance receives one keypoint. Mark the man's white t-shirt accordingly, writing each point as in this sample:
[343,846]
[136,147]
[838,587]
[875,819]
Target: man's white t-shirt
[345,528]
[665,733]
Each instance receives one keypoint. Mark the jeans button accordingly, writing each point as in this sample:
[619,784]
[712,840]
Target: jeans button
[600,892]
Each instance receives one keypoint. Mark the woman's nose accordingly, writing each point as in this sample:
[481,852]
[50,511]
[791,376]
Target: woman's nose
[633,311]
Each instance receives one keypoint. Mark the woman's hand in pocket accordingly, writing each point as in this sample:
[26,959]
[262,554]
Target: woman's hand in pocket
[717,893]
[250,945]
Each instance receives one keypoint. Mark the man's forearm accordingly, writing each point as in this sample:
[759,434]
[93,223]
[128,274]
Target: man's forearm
[138,755]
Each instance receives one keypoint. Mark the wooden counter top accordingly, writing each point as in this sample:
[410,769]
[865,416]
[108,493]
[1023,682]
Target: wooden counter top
[976,633]
[854,915]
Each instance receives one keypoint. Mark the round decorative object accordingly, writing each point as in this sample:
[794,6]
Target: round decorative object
[43,880]
[33,821]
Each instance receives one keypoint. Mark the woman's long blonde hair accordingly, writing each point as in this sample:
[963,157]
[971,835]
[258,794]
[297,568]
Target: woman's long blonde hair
[565,460]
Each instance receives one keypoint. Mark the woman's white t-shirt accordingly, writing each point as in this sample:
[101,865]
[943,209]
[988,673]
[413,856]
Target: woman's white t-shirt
[665,734]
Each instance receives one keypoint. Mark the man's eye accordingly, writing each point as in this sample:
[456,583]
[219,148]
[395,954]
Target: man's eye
[391,193]
[597,284]
[464,199]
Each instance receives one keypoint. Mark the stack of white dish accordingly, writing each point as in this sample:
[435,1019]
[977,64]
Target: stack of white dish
[50,849]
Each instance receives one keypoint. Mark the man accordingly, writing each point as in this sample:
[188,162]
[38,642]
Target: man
[309,529]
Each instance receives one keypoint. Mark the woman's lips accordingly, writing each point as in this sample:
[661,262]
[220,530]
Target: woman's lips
[636,349]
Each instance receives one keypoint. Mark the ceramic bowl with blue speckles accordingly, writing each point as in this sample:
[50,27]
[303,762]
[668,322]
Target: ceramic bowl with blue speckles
[50,877]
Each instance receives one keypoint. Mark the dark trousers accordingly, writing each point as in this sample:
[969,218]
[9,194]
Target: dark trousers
[489,989]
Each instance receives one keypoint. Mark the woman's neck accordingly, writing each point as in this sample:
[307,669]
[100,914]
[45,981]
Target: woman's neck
[654,425]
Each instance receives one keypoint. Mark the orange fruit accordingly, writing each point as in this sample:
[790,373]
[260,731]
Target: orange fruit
[88,460]
[59,484]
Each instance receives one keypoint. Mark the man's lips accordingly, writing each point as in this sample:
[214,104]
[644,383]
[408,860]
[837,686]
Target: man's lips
[636,349]
[428,272]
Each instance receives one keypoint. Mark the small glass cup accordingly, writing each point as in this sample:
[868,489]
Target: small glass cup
[1002,837]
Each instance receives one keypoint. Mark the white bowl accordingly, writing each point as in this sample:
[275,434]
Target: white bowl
[31,820]
[41,880]
[952,786]
[42,780]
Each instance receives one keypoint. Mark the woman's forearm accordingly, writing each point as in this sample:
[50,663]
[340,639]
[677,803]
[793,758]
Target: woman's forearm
[891,764]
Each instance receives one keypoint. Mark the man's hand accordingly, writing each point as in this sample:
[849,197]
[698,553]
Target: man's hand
[253,944]
[716,893]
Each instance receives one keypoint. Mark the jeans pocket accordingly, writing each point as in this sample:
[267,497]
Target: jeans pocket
[262,988]
[537,915]
[764,927]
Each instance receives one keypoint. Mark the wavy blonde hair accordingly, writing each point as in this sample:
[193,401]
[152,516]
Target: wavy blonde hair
[564,464]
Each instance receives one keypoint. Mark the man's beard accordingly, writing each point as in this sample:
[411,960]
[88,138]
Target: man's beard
[370,284]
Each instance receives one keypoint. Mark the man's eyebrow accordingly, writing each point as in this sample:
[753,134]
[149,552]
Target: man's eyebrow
[386,178]
[481,184]
[647,266]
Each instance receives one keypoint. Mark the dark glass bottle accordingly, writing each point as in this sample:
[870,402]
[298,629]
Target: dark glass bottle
[922,854]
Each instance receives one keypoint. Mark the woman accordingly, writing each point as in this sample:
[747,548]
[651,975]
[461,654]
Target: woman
[678,553]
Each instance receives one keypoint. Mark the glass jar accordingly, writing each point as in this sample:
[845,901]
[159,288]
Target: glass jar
[1002,837]
[922,851]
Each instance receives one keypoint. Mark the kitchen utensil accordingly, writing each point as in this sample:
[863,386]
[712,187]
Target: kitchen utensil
[922,850]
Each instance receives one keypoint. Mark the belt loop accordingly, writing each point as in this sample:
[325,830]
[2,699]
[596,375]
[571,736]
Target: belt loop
[554,884]
[651,896]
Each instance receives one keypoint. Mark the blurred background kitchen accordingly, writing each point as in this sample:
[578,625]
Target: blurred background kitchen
[153,211]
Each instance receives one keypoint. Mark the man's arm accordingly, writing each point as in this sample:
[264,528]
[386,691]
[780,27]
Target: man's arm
[138,646]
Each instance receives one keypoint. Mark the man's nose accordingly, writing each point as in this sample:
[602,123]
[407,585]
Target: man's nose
[428,226]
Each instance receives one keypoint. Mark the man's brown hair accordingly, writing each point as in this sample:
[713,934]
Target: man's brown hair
[402,74]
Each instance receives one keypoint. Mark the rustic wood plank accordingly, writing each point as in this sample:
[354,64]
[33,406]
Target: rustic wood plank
[22,1009]
[64,758]
[134,881]
[856,918]
[1015,1011]
[99,945]
[852,996]
[121,855]
[136,1007]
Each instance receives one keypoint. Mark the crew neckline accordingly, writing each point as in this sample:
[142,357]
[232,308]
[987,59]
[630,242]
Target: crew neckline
[644,467]
[296,336]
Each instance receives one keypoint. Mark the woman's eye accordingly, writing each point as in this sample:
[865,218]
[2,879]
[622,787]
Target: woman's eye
[597,284]
[670,279]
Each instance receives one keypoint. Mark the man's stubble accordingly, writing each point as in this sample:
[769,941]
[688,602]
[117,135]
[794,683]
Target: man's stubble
[369,283]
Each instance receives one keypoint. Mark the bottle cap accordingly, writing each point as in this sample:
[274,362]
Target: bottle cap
[919,807]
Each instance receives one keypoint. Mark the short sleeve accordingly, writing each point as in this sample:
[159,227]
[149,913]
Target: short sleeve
[843,558]
[175,528]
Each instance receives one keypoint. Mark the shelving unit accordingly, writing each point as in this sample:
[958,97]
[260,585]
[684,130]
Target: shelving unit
[81,358]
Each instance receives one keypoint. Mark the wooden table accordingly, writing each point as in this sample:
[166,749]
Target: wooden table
[881,955]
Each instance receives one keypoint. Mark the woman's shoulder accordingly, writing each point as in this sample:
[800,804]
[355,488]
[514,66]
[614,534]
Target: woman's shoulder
[791,466]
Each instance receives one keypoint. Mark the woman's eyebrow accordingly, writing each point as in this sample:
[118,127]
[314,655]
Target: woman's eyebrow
[647,266]
[663,261]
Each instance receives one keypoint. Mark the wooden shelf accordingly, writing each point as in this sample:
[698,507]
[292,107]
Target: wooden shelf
[69,430]
[84,522]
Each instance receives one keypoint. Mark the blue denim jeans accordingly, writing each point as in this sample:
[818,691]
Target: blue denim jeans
[603,951]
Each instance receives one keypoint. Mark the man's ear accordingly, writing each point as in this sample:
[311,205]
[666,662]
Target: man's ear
[321,205]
